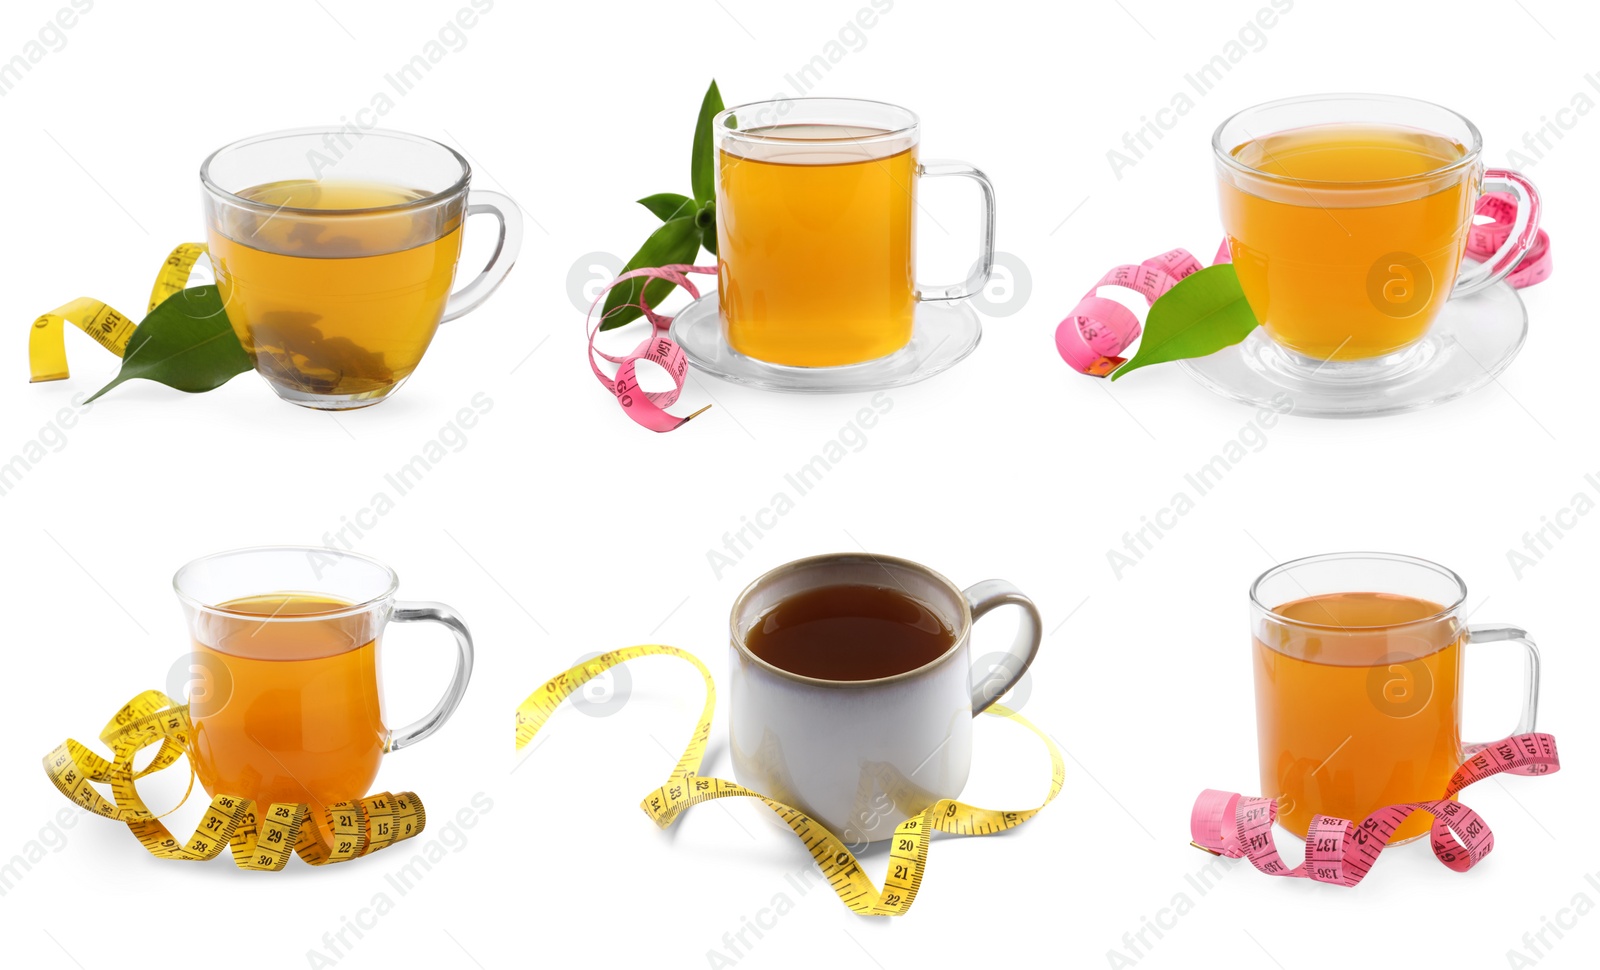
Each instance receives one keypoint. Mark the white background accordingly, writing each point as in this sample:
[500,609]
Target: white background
[561,529]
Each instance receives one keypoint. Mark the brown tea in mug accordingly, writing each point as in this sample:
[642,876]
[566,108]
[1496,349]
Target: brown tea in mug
[335,287]
[849,632]
[1305,252]
[1363,715]
[806,202]
[302,717]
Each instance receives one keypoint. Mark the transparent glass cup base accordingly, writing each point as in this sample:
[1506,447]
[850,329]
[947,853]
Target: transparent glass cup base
[335,402]
[1473,340]
[942,335]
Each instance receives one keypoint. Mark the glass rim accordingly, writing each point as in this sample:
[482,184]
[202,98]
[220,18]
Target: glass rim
[1468,158]
[910,122]
[354,609]
[960,640]
[1392,557]
[454,189]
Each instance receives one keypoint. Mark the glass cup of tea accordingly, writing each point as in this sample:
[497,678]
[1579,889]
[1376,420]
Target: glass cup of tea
[285,696]
[1347,217]
[816,230]
[1358,667]
[854,689]
[335,251]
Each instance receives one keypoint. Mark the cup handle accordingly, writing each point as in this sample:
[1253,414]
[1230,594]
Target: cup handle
[1524,233]
[505,211]
[435,613]
[980,276]
[981,598]
[1530,679]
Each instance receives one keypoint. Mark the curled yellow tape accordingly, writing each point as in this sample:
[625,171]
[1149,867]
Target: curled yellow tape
[352,829]
[47,340]
[908,849]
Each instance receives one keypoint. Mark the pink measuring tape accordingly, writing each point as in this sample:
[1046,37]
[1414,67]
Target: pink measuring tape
[1342,853]
[1098,330]
[648,408]
[1486,239]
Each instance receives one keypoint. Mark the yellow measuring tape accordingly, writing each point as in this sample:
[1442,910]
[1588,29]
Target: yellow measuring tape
[357,828]
[47,341]
[908,849]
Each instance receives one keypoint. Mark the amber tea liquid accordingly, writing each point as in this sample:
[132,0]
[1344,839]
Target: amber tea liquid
[849,632]
[300,716]
[1359,707]
[816,247]
[343,299]
[1316,250]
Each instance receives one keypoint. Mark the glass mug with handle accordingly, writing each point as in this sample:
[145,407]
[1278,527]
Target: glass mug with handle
[286,698]
[1358,668]
[816,229]
[853,686]
[1347,218]
[335,250]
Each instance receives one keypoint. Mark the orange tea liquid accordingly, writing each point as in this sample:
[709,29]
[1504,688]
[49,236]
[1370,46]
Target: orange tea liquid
[815,248]
[1336,262]
[299,715]
[342,301]
[1361,713]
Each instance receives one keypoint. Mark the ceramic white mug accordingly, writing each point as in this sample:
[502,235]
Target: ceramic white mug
[863,756]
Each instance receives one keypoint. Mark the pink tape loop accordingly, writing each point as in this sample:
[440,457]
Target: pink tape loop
[1342,853]
[1485,240]
[1098,330]
[647,408]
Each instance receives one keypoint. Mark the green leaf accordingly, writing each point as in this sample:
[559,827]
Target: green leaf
[677,241]
[668,206]
[706,219]
[185,343]
[1204,313]
[703,167]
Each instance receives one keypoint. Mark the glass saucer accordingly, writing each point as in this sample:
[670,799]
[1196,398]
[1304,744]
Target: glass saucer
[942,335]
[1471,342]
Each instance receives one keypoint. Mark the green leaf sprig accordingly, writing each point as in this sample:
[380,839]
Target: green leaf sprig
[1205,312]
[687,224]
[185,343]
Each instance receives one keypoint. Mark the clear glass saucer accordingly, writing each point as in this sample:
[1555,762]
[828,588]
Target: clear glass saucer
[1473,340]
[942,335]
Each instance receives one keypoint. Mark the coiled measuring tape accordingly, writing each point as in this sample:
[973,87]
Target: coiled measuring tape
[47,340]
[908,847]
[648,408]
[356,828]
[1341,852]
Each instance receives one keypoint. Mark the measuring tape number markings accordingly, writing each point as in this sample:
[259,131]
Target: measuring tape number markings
[1341,852]
[353,829]
[47,347]
[685,787]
